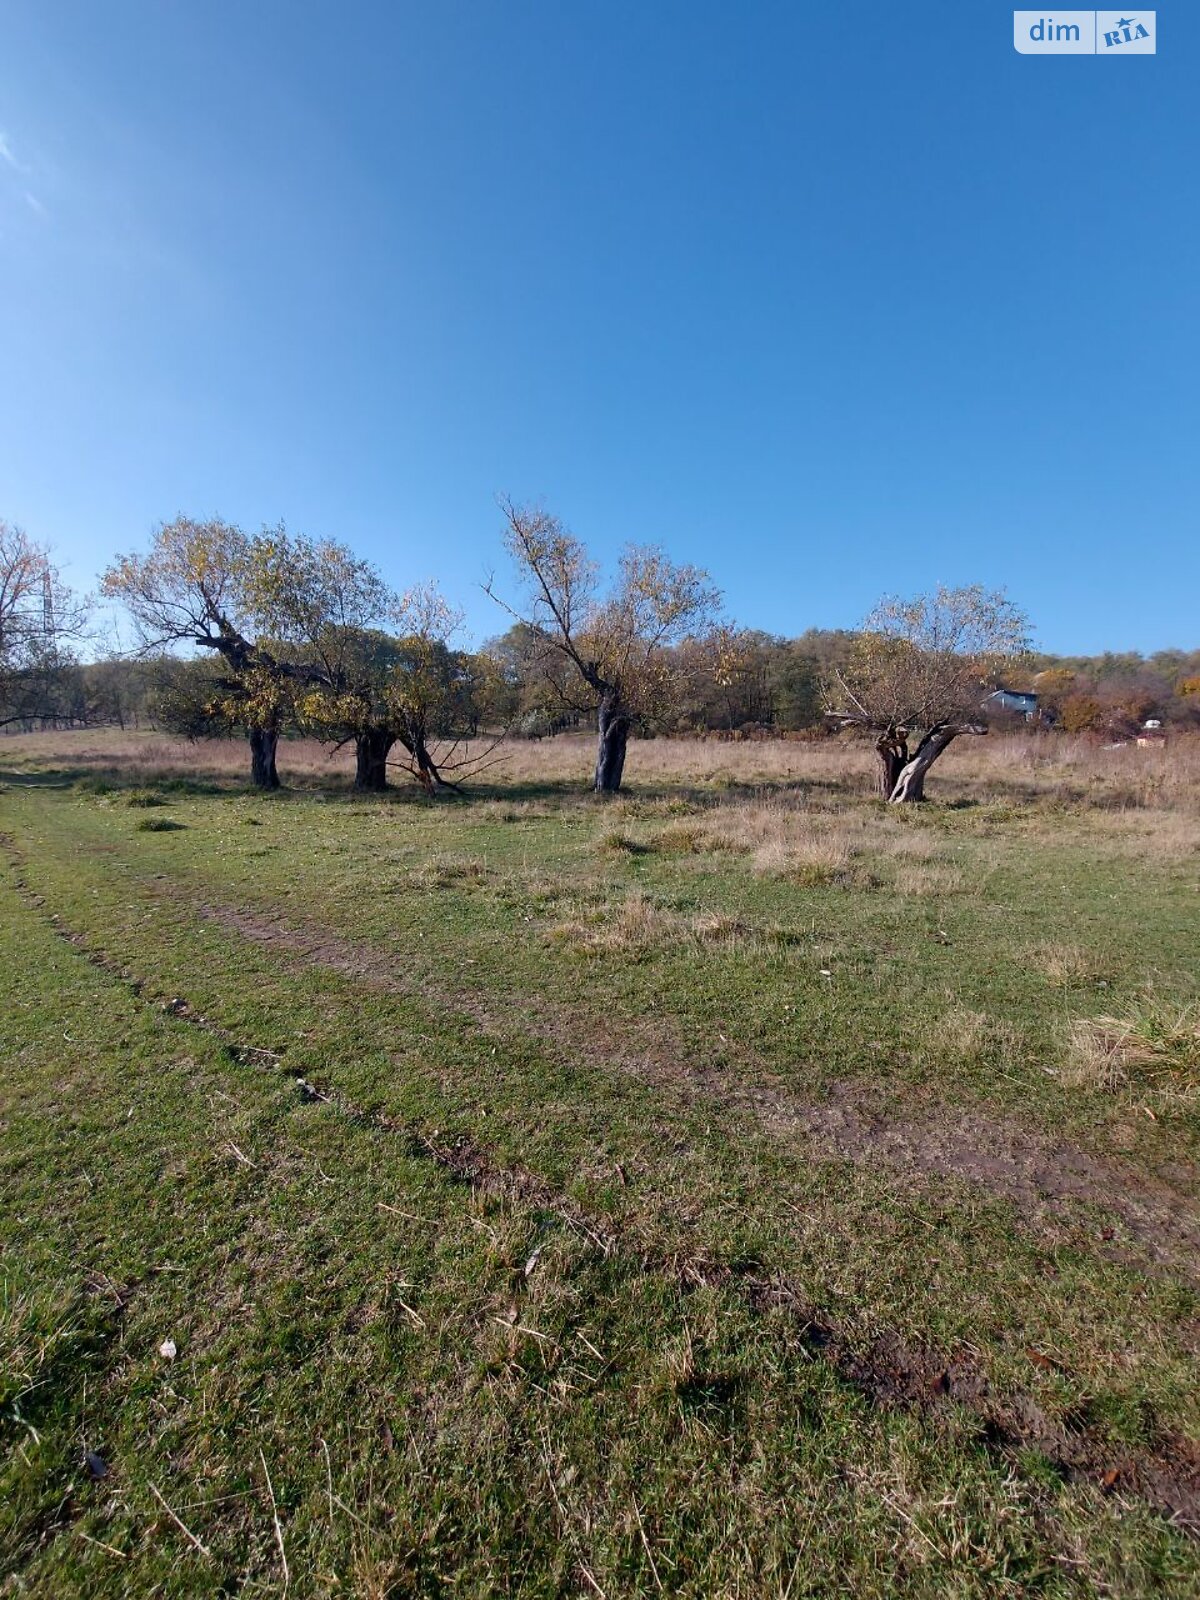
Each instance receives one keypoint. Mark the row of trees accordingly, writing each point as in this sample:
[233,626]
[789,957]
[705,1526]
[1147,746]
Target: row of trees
[766,685]
[302,633]
[284,632]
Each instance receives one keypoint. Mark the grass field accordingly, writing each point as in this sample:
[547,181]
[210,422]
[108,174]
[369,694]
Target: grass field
[735,1189]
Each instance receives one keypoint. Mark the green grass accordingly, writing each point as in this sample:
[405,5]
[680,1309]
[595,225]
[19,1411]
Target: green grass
[547,1198]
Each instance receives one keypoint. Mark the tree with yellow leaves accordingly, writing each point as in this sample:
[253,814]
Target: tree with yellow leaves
[195,586]
[308,632]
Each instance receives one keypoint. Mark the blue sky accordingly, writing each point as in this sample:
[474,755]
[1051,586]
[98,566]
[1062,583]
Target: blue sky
[835,300]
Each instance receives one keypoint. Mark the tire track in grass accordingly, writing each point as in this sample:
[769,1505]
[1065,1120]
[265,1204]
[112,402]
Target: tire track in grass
[886,1370]
[1038,1175]
[1009,1162]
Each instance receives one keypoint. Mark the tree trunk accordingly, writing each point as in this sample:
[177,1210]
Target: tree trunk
[428,775]
[910,784]
[423,767]
[610,751]
[263,742]
[892,750]
[371,750]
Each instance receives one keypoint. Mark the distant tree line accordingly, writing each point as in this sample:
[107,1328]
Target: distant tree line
[770,685]
[1115,694]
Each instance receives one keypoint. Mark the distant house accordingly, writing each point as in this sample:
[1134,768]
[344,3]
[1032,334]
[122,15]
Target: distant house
[1152,732]
[1016,702]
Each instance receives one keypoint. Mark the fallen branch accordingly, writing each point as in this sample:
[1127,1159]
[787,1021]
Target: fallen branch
[287,1577]
[182,1526]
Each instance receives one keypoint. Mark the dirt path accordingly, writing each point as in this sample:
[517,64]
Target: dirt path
[1007,1160]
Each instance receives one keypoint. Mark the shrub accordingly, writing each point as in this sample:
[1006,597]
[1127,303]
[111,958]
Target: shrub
[1081,713]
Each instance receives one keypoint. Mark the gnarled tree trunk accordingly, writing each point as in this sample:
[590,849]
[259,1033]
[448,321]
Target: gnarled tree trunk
[263,743]
[892,750]
[910,783]
[613,725]
[371,750]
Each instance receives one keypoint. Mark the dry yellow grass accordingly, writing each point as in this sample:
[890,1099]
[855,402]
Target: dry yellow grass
[1099,1053]
[637,922]
[154,756]
[806,858]
[928,882]
[1064,966]
[1012,767]
[1156,1044]
[963,1036]
[444,871]
[801,811]
[788,835]
[630,924]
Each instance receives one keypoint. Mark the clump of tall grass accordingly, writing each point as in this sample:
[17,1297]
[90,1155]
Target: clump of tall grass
[613,842]
[637,924]
[446,871]
[928,881]
[1156,1046]
[143,799]
[694,838]
[1064,966]
[962,1036]
[808,860]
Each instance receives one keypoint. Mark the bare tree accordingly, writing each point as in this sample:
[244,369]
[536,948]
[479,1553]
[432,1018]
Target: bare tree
[920,671]
[39,619]
[608,652]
